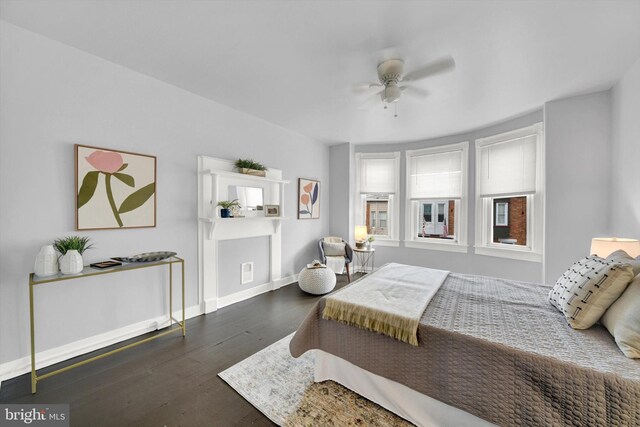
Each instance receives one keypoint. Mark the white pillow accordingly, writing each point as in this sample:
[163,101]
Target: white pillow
[622,320]
[334,249]
[624,258]
[585,291]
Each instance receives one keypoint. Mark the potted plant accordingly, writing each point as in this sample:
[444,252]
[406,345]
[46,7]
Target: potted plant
[369,241]
[249,167]
[226,205]
[71,248]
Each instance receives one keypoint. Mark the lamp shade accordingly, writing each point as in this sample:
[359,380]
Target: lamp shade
[605,246]
[361,233]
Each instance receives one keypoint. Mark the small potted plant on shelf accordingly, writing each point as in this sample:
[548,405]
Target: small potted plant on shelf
[249,167]
[71,248]
[226,205]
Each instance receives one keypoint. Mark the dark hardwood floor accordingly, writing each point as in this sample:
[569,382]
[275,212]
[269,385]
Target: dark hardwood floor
[173,381]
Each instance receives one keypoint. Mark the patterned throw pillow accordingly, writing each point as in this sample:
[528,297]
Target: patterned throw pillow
[334,249]
[585,291]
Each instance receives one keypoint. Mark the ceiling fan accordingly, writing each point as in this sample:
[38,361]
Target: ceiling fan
[390,74]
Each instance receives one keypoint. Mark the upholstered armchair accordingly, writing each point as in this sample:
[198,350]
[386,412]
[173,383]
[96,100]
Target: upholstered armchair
[337,254]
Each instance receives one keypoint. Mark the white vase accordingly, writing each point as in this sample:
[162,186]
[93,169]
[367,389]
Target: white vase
[46,262]
[71,262]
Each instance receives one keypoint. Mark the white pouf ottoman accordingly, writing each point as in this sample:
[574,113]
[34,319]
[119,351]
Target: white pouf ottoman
[317,281]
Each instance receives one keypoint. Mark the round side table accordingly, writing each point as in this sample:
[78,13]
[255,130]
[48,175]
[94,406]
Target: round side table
[365,258]
[317,281]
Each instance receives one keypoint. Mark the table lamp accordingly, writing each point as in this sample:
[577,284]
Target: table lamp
[605,246]
[361,236]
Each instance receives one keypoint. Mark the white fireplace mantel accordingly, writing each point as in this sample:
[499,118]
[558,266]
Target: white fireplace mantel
[214,178]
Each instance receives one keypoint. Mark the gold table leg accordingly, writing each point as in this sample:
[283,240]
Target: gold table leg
[34,378]
[170,294]
[184,325]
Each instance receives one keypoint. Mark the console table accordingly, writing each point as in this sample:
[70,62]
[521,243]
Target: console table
[35,280]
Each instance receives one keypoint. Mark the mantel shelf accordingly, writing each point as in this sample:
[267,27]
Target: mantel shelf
[214,221]
[246,177]
[249,218]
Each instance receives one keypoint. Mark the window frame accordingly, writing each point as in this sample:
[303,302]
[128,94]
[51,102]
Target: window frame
[484,244]
[412,206]
[393,212]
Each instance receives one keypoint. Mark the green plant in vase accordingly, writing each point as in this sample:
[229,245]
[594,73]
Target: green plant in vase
[71,248]
[78,243]
[226,206]
[250,167]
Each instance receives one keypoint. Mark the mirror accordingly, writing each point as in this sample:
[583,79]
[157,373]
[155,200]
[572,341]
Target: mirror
[248,197]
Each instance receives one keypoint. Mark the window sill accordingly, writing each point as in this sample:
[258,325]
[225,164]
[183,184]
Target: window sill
[519,254]
[434,246]
[386,242]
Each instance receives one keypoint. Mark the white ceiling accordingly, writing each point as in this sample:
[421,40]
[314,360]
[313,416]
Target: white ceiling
[293,62]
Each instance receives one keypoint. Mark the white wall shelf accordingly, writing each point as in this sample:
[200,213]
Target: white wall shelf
[213,221]
[242,176]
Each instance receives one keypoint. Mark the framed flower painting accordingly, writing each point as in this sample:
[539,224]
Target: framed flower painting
[114,189]
[308,199]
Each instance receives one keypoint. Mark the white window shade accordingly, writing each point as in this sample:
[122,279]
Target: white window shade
[508,167]
[436,175]
[377,175]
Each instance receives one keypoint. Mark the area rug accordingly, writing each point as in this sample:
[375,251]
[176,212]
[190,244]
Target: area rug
[282,388]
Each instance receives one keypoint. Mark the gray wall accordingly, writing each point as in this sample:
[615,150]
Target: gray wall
[578,147]
[456,262]
[342,171]
[232,253]
[625,189]
[54,96]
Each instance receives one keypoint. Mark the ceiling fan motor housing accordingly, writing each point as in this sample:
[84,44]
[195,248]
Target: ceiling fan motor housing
[390,71]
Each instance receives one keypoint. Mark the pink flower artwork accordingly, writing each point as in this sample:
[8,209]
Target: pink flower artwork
[111,165]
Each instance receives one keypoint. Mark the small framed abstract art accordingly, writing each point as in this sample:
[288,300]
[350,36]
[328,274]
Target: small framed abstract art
[308,199]
[114,189]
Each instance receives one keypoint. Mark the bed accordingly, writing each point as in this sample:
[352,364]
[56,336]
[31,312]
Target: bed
[489,349]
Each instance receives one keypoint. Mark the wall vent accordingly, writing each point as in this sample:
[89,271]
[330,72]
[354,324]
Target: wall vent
[247,272]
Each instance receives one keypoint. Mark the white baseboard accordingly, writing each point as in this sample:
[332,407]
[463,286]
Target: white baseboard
[277,284]
[55,355]
[256,290]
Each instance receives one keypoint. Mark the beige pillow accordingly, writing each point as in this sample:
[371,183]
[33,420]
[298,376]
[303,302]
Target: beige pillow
[624,258]
[334,249]
[622,320]
[585,291]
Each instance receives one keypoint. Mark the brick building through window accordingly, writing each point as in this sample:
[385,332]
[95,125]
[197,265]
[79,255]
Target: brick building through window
[510,220]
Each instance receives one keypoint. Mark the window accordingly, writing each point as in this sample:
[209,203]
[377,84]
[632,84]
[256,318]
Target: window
[509,194]
[437,197]
[377,212]
[502,214]
[377,189]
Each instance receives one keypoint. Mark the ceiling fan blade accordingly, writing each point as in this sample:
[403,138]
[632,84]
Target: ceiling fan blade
[416,92]
[364,87]
[436,67]
[371,101]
